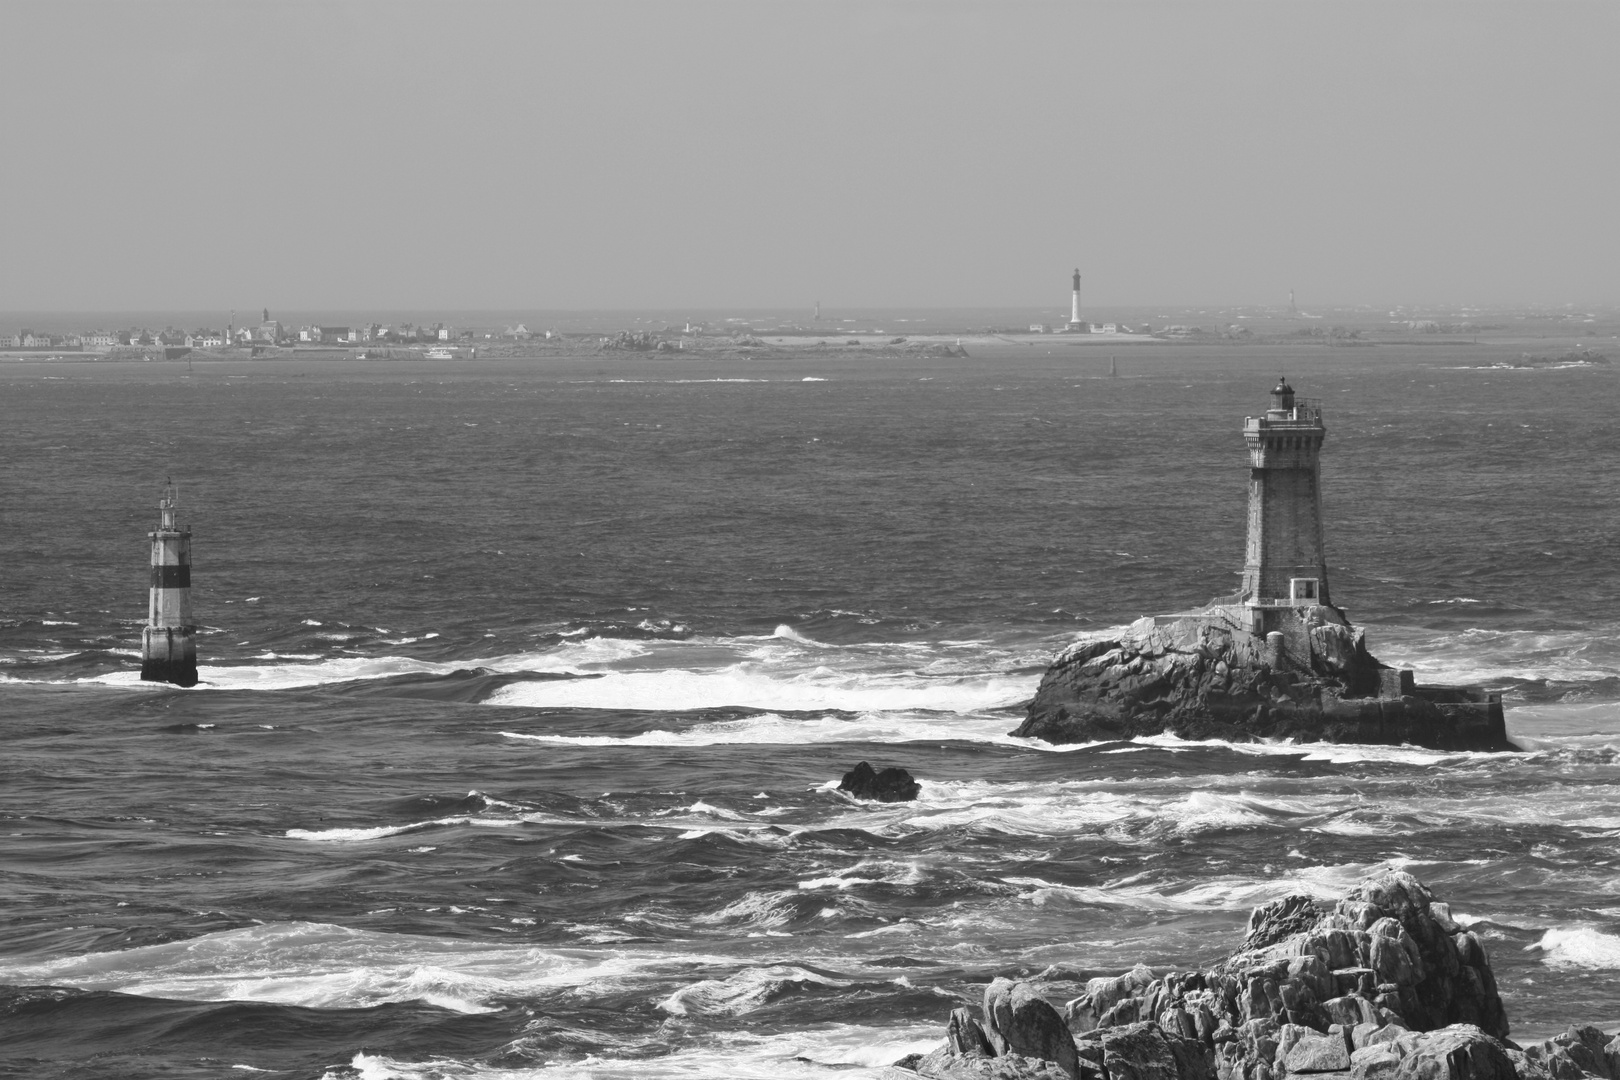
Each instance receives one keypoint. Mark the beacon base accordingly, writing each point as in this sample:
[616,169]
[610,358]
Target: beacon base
[169,654]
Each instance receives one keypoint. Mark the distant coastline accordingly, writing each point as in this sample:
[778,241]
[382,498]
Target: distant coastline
[1537,337]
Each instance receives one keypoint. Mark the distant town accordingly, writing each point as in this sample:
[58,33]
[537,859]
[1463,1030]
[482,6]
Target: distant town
[869,334]
[267,332]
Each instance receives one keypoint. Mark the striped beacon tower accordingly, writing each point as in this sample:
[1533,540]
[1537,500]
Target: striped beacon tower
[169,642]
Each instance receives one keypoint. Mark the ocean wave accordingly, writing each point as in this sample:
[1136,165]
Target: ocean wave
[772,728]
[758,687]
[1492,656]
[754,910]
[320,965]
[1227,893]
[744,992]
[1217,803]
[1579,947]
[899,872]
[783,670]
[570,657]
[855,1051]
[1335,753]
[380,831]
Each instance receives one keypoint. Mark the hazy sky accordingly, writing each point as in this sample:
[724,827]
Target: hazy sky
[666,154]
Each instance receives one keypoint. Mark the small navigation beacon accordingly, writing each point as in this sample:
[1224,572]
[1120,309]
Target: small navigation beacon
[169,639]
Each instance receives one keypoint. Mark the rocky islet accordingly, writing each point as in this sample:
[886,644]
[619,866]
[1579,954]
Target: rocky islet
[1382,985]
[1276,659]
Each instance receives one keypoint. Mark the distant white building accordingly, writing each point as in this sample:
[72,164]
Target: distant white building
[1037,328]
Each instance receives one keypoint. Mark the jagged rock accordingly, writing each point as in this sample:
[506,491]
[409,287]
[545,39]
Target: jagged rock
[1204,674]
[965,1038]
[1382,985]
[1302,1050]
[1017,1020]
[942,1065]
[890,785]
[1576,1054]
[1145,1051]
[1457,1052]
[1087,1011]
[1271,923]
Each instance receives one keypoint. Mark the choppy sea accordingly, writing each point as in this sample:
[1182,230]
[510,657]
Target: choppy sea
[527,685]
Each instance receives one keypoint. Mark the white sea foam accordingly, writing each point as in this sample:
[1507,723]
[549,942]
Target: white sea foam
[1480,655]
[1124,812]
[319,965]
[380,831]
[854,1051]
[784,670]
[1135,813]
[1226,893]
[572,657]
[770,728]
[758,687]
[1579,947]
[758,910]
[742,992]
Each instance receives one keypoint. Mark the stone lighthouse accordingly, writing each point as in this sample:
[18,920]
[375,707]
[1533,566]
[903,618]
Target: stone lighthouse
[1273,660]
[1075,322]
[1284,565]
[169,641]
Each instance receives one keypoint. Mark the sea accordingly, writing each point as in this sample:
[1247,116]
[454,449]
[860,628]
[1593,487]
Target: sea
[527,686]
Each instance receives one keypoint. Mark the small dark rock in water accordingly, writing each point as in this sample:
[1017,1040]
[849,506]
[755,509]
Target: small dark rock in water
[890,785]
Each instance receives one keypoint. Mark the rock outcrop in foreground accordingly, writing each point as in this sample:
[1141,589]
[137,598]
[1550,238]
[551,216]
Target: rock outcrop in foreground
[1208,674]
[1384,986]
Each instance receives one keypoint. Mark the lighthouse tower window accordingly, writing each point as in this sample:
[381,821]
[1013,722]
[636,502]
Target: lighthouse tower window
[1303,589]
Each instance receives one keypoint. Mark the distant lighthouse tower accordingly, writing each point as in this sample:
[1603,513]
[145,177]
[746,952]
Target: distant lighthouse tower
[1284,564]
[168,642]
[1074,310]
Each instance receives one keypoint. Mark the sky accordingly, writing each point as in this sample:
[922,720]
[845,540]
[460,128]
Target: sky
[618,154]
